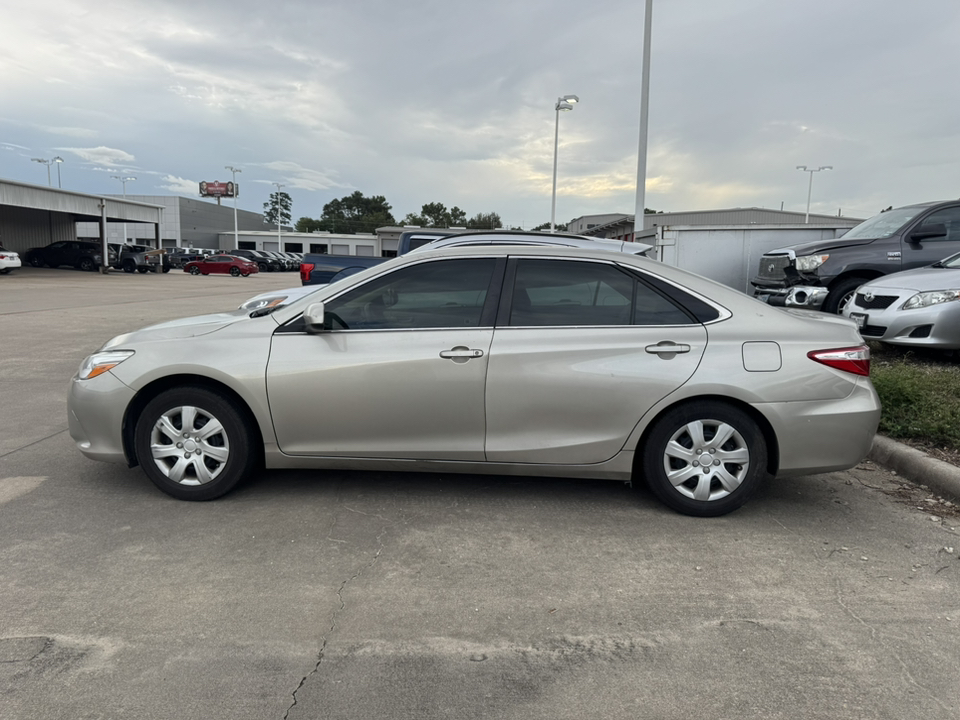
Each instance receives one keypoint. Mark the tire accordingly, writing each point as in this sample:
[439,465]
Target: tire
[245,274]
[86,264]
[129,266]
[166,268]
[35,261]
[263,267]
[194,270]
[209,428]
[235,271]
[143,270]
[729,440]
[840,293]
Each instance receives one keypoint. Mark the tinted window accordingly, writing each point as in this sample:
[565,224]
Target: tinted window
[949,218]
[447,293]
[565,293]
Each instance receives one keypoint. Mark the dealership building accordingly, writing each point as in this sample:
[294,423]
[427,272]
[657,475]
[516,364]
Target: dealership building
[186,222]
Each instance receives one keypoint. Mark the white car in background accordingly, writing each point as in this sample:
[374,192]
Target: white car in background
[9,260]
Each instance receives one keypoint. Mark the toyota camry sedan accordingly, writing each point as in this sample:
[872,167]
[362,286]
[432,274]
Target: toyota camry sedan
[913,308]
[554,362]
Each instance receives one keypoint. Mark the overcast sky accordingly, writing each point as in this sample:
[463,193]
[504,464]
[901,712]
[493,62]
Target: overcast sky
[452,101]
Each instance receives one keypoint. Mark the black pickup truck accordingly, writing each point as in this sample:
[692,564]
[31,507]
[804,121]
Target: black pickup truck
[823,275]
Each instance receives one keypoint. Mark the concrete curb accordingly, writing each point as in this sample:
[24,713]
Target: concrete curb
[917,467]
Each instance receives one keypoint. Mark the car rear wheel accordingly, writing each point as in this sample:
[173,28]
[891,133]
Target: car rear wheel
[263,267]
[194,270]
[705,458]
[143,270]
[86,264]
[235,271]
[194,444]
[35,261]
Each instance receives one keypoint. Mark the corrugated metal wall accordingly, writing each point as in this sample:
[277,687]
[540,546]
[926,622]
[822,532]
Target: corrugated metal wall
[24,228]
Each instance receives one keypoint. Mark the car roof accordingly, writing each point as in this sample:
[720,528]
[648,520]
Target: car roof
[529,239]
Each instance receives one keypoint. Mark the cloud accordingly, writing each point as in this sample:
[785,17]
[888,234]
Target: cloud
[297,176]
[70,131]
[111,157]
[180,186]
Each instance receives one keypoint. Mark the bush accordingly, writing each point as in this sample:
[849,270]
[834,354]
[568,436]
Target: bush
[920,394]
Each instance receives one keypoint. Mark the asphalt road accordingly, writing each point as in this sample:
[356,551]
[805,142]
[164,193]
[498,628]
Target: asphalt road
[375,595]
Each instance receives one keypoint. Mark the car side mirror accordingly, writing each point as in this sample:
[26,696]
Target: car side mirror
[313,318]
[928,231]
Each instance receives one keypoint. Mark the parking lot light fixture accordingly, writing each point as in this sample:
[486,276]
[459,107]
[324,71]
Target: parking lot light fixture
[236,232]
[124,180]
[59,161]
[563,104]
[47,163]
[806,218]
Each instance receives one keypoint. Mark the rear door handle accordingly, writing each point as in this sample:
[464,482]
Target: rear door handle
[667,349]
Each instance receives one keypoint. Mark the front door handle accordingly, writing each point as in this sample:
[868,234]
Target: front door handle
[461,354]
[667,349]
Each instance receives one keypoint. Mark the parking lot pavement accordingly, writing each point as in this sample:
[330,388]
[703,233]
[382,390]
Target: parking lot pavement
[359,595]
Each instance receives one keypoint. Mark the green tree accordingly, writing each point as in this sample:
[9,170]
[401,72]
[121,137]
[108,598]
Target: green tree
[352,214]
[559,227]
[436,215]
[277,209]
[485,221]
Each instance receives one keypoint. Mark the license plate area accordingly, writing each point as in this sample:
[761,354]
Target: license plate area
[859,318]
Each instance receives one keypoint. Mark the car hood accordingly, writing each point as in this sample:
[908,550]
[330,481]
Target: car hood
[182,328]
[919,279]
[811,248]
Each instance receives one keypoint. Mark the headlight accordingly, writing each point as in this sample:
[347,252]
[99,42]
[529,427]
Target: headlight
[266,302]
[934,297]
[101,362]
[808,263]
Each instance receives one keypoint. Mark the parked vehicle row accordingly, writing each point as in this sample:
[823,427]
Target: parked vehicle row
[81,254]
[270,260]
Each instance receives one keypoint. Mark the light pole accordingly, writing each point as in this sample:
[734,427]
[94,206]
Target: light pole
[59,161]
[279,242]
[640,209]
[124,180]
[47,163]
[565,103]
[236,232]
[806,218]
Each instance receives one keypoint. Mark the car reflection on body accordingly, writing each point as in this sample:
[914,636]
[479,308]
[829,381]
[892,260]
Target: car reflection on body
[222,265]
[545,361]
[916,308]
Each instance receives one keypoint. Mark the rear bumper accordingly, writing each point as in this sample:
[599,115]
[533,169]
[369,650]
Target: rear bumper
[825,435]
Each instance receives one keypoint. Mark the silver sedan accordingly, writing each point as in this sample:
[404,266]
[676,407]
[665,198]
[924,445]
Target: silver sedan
[917,308]
[555,362]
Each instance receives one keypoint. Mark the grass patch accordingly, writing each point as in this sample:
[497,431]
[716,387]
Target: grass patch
[920,393]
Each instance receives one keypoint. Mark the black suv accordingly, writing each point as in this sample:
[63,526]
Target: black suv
[81,254]
[264,262]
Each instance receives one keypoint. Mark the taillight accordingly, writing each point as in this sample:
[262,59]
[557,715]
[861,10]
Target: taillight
[305,270]
[854,360]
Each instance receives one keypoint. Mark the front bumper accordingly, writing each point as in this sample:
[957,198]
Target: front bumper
[936,326]
[95,410]
[801,296]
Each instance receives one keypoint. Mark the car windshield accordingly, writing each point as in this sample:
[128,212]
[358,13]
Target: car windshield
[883,225]
[951,262]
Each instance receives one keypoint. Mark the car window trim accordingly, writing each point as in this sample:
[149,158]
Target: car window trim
[488,313]
[506,304]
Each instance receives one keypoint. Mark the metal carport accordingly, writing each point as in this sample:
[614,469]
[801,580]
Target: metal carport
[35,215]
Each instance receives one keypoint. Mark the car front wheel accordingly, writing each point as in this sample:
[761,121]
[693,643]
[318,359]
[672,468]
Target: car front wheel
[234,271]
[194,270]
[36,261]
[705,458]
[194,444]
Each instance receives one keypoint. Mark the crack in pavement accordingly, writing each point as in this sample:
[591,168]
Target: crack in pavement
[878,638]
[339,610]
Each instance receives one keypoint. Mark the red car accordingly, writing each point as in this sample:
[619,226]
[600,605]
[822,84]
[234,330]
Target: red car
[221,264]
